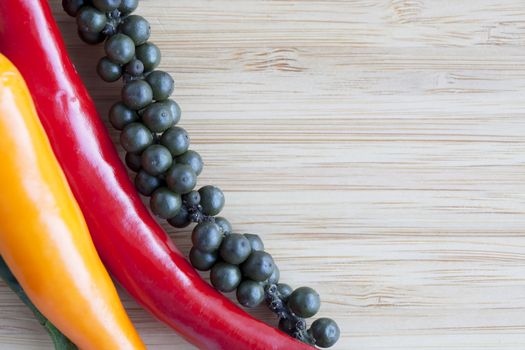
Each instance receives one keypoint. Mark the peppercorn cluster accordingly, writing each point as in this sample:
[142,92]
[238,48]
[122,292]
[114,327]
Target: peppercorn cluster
[166,170]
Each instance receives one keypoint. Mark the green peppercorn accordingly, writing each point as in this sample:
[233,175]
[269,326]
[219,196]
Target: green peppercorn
[128,6]
[149,54]
[259,266]
[146,183]
[193,159]
[235,248]
[134,67]
[255,242]
[72,6]
[225,277]
[325,331]
[157,117]
[250,293]
[120,115]
[223,224]
[202,261]
[181,178]
[156,159]
[135,137]
[91,38]
[164,203]
[193,198]
[90,20]
[287,325]
[206,237]
[284,291]
[133,161]
[108,70]
[106,5]
[274,277]
[181,219]
[176,140]
[137,28]
[137,94]
[304,302]
[120,48]
[212,200]
[161,83]
[174,108]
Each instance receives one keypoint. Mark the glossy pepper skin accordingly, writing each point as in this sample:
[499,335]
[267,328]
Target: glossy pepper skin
[43,236]
[131,244]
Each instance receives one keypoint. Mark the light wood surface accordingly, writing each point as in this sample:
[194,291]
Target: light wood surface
[376,145]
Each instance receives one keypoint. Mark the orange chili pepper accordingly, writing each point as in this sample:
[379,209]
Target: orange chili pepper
[43,236]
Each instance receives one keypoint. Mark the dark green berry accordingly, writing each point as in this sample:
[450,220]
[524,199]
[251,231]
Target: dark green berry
[156,159]
[223,224]
[284,291]
[176,140]
[225,277]
[212,200]
[106,5]
[304,302]
[250,293]
[235,248]
[146,184]
[120,48]
[287,325]
[174,108]
[90,20]
[181,219]
[325,331]
[128,6]
[133,161]
[134,67]
[157,117]
[161,83]
[193,198]
[193,159]
[137,94]
[108,70]
[164,203]
[255,241]
[137,28]
[72,6]
[91,38]
[120,115]
[274,277]
[202,261]
[149,54]
[181,178]
[259,266]
[206,237]
[135,137]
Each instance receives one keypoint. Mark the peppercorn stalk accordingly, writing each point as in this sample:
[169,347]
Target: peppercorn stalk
[167,170]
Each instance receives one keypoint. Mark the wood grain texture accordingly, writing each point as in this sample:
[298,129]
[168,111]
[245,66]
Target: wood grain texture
[376,145]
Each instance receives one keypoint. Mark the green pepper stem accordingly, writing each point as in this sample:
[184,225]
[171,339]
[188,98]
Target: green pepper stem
[60,341]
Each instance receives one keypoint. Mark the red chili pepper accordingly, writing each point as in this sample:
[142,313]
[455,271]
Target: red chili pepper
[132,245]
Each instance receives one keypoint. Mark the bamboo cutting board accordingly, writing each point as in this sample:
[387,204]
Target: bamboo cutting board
[376,145]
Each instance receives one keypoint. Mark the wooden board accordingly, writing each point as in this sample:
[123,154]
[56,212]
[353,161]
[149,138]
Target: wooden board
[376,145]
